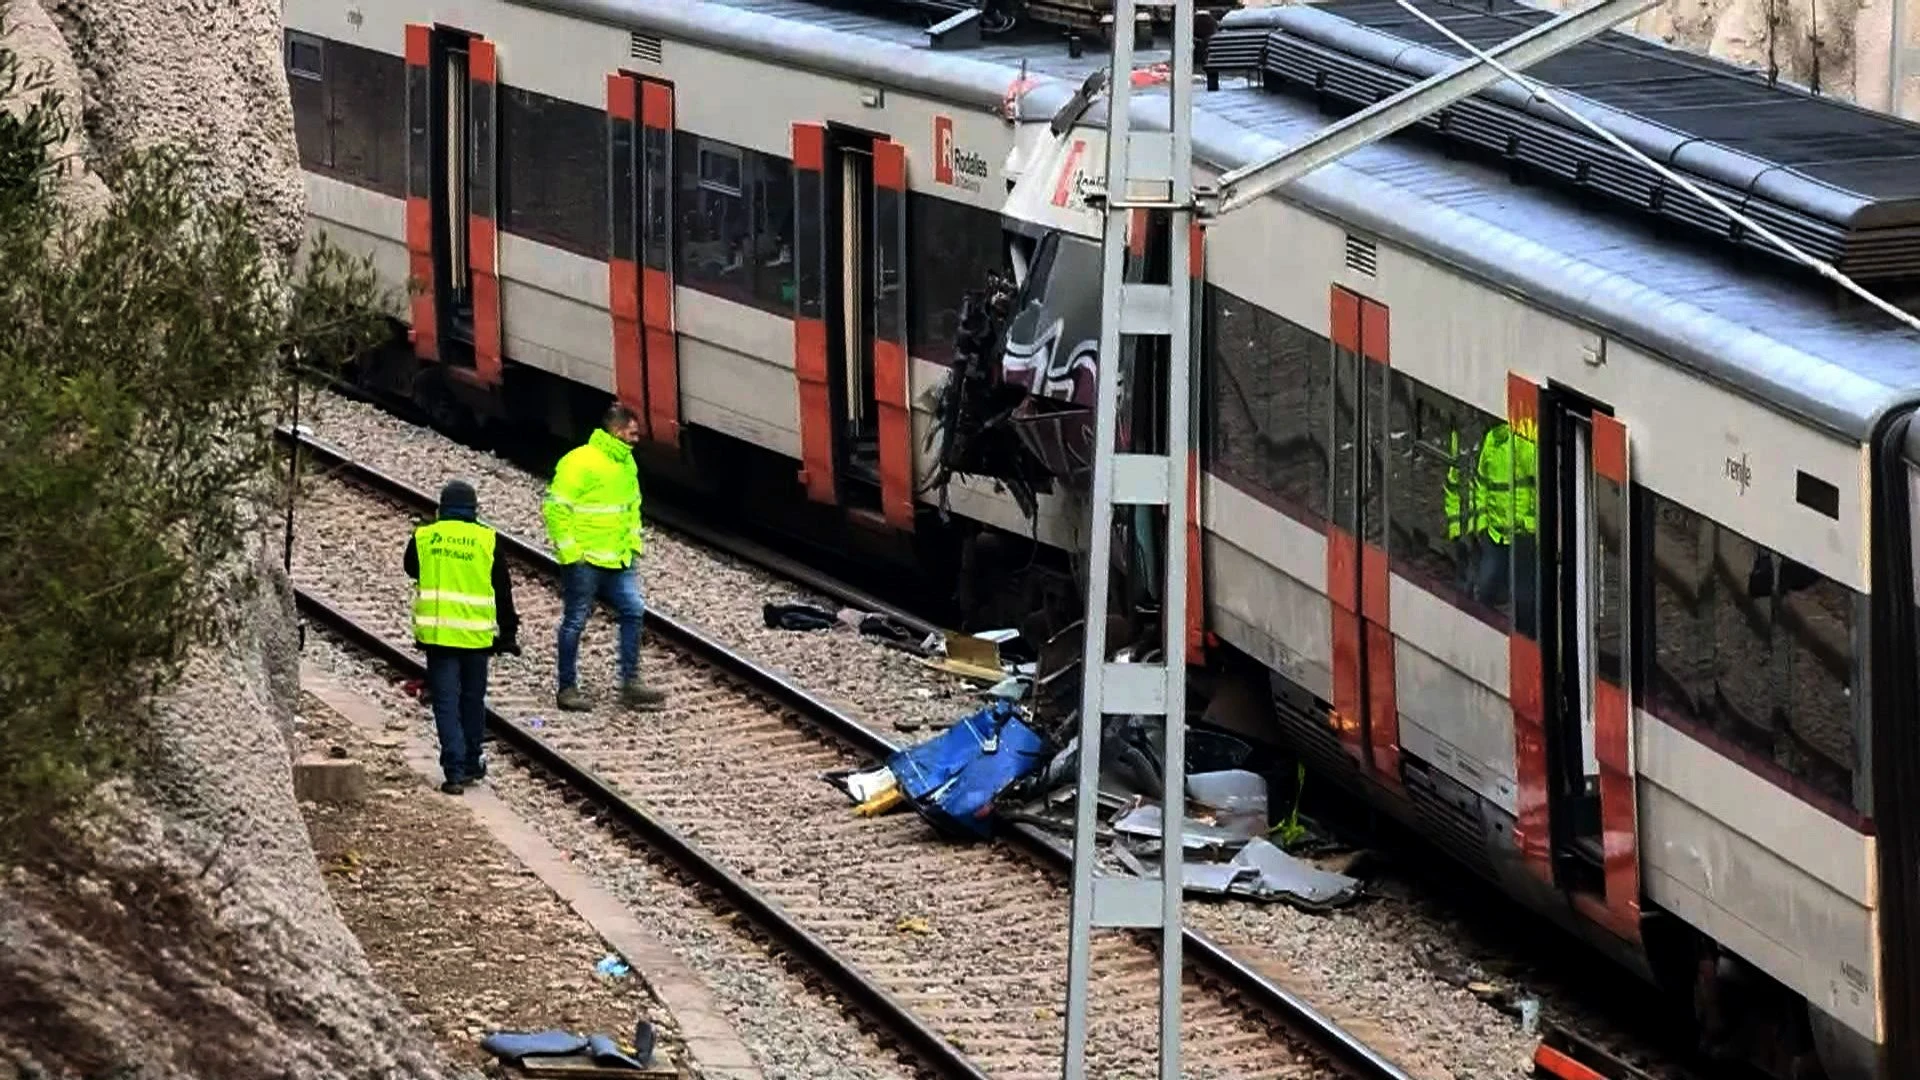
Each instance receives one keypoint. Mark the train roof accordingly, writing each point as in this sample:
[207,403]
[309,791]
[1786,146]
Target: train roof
[1774,337]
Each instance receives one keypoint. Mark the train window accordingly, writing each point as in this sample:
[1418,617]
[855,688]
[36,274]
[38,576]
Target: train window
[720,168]
[1269,382]
[307,87]
[715,235]
[553,175]
[773,233]
[1433,445]
[950,249]
[656,173]
[304,53]
[1750,647]
[369,131]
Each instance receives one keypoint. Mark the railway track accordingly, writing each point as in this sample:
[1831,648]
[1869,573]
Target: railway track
[957,951]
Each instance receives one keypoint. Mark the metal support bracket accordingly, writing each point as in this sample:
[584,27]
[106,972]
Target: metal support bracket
[1150,171]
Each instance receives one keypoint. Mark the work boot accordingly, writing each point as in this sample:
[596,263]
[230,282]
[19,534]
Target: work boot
[572,700]
[635,694]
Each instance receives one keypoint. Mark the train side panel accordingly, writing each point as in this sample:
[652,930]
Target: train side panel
[735,334]
[1746,821]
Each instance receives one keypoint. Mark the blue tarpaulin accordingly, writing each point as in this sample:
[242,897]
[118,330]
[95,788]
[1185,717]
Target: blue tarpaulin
[953,778]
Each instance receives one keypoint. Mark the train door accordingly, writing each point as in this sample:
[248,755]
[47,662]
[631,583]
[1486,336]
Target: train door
[1365,713]
[640,182]
[452,198]
[851,349]
[1571,592]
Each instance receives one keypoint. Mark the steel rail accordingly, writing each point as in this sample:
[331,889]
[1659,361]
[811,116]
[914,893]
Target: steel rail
[866,994]
[1207,955]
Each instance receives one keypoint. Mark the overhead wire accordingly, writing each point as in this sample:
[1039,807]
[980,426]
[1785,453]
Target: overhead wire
[1541,91]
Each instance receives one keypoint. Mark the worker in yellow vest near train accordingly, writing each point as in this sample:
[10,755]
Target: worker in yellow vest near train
[1506,499]
[462,613]
[593,519]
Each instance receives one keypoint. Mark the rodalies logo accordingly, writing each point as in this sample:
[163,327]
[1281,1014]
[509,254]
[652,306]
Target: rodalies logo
[952,165]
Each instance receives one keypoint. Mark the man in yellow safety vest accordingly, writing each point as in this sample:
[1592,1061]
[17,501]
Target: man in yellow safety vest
[1506,515]
[593,519]
[462,613]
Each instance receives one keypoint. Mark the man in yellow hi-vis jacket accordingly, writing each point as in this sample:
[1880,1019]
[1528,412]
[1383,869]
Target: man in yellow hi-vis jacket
[593,520]
[462,614]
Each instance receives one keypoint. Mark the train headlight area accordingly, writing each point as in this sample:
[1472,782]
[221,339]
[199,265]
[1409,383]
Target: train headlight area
[1535,500]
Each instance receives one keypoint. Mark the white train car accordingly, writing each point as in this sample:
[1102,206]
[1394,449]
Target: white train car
[1676,714]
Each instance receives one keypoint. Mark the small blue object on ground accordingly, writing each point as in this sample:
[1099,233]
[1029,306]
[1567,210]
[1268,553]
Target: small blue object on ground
[613,967]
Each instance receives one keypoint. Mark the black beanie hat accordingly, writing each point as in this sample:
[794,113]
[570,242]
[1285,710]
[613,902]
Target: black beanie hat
[458,495]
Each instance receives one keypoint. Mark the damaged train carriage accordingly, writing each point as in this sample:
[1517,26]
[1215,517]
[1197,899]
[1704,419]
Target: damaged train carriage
[1626,663]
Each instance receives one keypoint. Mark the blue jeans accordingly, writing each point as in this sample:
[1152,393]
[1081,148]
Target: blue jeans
[583,584]
[457,683]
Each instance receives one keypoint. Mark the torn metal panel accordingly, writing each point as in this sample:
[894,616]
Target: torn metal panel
[1278,875]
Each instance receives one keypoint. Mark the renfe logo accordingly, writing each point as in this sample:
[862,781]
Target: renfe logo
[952,165]
[1072,178]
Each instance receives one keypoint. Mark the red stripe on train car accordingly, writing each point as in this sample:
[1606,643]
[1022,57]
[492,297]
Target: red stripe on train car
[1349,700]
[1609,448]
[419,50]
[1383,707]
[656,105]
[892,375]
[620,97]
[1558,1065]
[426,327]
[1374,339]
[482,65]
[486,301]
[810,346]
[1526,686]
[1345,316]
[623,300]
[662,355]
[1619,822]
[1529,753]
[1383,715]
[816,409]
[809,147]
[896,432]
[1197,639]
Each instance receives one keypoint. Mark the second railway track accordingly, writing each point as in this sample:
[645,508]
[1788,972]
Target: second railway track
[967,943]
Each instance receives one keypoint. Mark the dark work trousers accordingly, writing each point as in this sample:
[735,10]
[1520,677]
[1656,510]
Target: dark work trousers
[1501,573]
[457,683]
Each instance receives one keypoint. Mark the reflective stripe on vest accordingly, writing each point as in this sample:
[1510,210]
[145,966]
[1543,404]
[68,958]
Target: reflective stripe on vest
[592,508]
[454,606]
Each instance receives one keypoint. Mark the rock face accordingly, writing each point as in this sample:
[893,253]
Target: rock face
[191,932]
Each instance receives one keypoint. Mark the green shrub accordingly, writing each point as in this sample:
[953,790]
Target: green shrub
[141,358]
